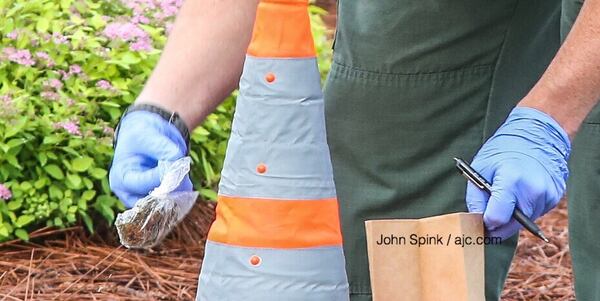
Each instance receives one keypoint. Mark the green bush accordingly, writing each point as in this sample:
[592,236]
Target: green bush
[68,69]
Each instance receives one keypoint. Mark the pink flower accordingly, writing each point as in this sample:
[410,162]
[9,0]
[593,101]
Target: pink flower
[42,55]
[104,85]
[6,105]
[108,130]
[168,28]
[53,83]
[5,193]
[69,126]
[129,32]
[70,102]
[124,31]
[13,35]
[74,69]
[140,19]
[9,50]
[65,75]
[6,98]
[21,57]
[141,45]
[58,38]
[49,95]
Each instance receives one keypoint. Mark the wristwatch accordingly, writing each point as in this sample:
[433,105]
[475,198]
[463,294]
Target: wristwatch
[171,117]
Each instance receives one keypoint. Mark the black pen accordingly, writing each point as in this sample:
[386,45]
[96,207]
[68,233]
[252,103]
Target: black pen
[480,182]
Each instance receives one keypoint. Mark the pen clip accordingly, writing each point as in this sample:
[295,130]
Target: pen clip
[472,175]
[474,180]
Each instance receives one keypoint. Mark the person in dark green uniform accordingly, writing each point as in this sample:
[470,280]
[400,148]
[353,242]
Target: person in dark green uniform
[414,84]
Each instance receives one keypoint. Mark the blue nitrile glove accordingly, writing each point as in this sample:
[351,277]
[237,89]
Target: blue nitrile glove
[526,162]
[144,139]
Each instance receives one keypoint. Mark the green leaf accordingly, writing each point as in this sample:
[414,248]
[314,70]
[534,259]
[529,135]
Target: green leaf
[42,25]
[97,21]
[98,173]
[105,211]
[40,183]
[74,179]
[53,139]
[57,221]
[82,204]
[54,171]
[209,194]
[87,221]
[201,131]
[129,58]
[24,220]
[106,200]
[16,127]
[105,186]
[81,164]
[88,195]
[88,183]
[71,217]
[22,234]
[55,192]
[4,231]
[12,160]
[42,158]
[110,104]
[14,205]
[15,142]
[26,186]
[65,4]
[64,205]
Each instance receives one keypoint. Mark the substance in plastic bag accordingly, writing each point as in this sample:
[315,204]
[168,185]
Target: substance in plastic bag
[154,216]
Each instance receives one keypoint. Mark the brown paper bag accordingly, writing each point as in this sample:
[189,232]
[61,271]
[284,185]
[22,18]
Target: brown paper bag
[429,259]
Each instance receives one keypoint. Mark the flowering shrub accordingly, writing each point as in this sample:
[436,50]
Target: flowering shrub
[68,69]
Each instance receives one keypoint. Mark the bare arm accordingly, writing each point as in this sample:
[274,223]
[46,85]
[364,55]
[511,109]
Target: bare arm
[570,87]
[203,58]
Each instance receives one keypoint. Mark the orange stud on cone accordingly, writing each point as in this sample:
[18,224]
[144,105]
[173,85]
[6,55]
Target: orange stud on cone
[270,77]
[261,168]
[255,260]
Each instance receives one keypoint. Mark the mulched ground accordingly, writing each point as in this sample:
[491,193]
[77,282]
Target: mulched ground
[70,264]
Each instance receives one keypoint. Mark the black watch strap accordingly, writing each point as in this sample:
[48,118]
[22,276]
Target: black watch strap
[171,117]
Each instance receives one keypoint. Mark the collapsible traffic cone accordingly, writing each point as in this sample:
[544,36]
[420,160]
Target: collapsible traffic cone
[277,235]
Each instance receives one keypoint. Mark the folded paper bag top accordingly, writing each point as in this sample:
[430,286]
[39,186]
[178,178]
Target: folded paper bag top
[428,259]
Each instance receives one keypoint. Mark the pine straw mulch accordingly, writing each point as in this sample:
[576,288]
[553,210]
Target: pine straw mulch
[542,271]
[69,264]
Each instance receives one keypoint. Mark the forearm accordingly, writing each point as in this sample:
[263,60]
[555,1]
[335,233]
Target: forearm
[570,87]
[203,58]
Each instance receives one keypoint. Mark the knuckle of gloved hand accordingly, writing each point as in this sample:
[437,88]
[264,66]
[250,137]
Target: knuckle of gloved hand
[534,185]
[494,220]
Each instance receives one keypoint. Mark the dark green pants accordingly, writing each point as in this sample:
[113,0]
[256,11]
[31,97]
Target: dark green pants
[583,191]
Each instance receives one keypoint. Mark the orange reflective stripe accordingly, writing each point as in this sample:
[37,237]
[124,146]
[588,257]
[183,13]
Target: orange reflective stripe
[268,223]
[282,29]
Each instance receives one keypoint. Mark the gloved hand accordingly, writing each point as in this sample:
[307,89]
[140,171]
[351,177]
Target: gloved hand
[144,139]
[526,162]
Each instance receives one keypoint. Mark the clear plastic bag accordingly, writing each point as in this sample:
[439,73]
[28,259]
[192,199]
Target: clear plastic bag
[153,217]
